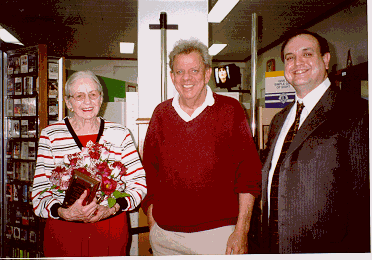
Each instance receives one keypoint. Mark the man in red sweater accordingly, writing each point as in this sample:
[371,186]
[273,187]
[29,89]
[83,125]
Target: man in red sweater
[202,168]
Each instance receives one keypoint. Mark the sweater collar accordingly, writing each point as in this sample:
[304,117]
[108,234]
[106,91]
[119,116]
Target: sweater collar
[209,101]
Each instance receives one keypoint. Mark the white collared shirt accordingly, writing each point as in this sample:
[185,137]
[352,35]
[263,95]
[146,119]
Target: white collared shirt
[209,101]
[309,101]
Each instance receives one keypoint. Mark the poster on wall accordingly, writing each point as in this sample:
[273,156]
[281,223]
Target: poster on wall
[278,92]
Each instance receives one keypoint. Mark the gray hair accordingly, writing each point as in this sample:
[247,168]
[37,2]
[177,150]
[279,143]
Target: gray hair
[188,46]
[85,74]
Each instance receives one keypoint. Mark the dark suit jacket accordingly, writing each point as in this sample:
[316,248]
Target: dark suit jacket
[324,179]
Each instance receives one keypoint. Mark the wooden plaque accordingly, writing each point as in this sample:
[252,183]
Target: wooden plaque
[78,184]
[270,65]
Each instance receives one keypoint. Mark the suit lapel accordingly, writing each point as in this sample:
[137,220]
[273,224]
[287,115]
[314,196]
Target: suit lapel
[267,165]
[280,121]
[318,116]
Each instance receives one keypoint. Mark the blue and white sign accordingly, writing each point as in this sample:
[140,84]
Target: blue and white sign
[278,92]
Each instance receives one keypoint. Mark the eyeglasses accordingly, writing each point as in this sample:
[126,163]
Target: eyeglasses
[80,96]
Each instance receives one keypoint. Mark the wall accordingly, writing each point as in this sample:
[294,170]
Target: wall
[126,70]
[344,30]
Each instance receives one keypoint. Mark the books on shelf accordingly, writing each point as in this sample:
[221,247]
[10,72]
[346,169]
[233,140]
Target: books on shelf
[32,128]
[24,63]
[9,107]
[10,170]
[24,128]
[52,89]
[53,106]
[24,150]
[18,86]
[17,107]
[24,176]
[22,107]
[31,150]
[22,120]
[17,64]
[17,150]
[32,105]
[32,62]
[14,128]
[9,149]
[52,70]
[28,85]
[10,86]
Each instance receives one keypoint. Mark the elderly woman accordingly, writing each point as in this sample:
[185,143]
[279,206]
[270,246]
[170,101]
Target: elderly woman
[92,229]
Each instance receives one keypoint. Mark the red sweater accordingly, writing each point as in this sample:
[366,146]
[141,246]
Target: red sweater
[195,170]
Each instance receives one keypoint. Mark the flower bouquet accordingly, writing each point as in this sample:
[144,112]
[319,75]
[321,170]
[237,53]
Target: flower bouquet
[93,162]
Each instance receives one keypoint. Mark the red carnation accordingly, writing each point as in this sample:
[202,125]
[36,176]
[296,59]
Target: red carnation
[103,169]
[94,154]
[73,161]
[59,169]
[95,151]
[123,169]
[108,186]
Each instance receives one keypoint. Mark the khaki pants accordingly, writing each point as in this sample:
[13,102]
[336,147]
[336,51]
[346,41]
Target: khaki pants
[209,242]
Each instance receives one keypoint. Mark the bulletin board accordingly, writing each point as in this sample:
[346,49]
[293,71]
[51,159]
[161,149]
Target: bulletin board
[278,92]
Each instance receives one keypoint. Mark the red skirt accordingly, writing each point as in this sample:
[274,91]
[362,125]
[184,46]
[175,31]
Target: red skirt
[104,238]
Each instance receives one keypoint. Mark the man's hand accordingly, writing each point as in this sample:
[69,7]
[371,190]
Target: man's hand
[150,218]
[237,243]
[238,240]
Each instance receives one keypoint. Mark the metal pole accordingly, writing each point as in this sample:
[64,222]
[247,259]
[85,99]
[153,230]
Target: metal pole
[253,73]
[163,29]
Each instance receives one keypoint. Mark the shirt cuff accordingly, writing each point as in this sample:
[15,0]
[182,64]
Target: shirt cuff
[54,210]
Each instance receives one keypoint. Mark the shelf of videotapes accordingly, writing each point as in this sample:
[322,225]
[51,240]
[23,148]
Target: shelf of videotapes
[23,230]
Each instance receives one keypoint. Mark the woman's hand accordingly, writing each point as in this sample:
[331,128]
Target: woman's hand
[78,212]
[104,212]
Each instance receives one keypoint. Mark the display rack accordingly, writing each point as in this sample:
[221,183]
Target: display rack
[27,108]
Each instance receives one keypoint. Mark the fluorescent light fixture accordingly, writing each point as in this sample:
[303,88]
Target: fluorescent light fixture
[126,47]
[216,48]
[220,10]
[7,37]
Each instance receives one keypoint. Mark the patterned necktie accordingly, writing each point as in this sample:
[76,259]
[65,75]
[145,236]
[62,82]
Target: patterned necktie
[273,222]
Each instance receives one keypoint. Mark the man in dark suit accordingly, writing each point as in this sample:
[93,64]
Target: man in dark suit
[315,187]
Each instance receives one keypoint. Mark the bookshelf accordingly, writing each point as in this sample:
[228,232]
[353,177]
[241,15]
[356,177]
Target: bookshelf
[26,110]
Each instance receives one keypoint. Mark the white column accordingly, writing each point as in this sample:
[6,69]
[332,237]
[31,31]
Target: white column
[192,20]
